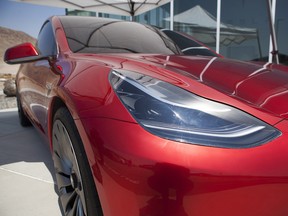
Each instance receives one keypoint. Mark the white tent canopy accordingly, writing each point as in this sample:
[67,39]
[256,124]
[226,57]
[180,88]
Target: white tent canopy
[202,25]
[119,7]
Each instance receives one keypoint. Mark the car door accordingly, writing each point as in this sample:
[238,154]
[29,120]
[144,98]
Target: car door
[32,81]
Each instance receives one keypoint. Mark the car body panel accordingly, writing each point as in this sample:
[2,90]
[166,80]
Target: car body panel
[179,71]
[138,173]
[184,177]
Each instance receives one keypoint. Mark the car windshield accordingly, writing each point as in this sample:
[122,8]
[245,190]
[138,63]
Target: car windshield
[98,35]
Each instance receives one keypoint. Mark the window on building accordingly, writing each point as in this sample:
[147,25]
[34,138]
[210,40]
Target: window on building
[159,17]
[72,12]
[244,30]
[198,19]
[281,30]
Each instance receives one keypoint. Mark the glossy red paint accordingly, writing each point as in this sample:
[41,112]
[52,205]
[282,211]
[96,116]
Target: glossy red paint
[192,74]
[137,173]
[152,175]
[20,52]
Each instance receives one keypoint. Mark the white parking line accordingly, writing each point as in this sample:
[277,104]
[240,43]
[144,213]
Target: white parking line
[28,176]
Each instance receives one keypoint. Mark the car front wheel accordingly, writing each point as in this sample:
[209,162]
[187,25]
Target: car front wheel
[76,188]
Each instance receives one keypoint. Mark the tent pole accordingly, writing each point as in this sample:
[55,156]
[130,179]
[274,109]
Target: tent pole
[273,55]
[218,26]
[172,15]
[132,10]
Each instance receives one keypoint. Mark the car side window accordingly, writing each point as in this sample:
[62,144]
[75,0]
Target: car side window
[46,43]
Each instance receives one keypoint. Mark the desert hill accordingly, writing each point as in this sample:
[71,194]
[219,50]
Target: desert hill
[9,38]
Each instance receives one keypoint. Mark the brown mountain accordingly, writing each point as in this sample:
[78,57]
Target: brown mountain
[9,38]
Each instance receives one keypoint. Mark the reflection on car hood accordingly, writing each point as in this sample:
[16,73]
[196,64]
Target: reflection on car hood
[264,87]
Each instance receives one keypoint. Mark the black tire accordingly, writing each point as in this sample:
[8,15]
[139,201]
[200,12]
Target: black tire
[76,188]
[23,119]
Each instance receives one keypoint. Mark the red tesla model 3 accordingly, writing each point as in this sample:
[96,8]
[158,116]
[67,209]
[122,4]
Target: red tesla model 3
[137,126]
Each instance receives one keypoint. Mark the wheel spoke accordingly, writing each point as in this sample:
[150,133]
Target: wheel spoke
[63,181]
[62,165]
[66,148]
[62,169]
[80,210]
[68,200]
[63,147]
[77,209]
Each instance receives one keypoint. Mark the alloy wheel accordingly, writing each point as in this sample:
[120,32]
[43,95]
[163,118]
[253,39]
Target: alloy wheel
[68,176]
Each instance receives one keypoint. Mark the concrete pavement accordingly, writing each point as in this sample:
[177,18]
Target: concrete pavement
[26,170]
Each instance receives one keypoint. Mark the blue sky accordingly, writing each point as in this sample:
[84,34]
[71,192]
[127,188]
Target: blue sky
[25,17]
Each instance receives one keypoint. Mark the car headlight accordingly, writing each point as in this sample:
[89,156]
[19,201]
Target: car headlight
[173,113]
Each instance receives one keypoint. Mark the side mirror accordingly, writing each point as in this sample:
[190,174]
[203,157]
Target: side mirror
[22,53]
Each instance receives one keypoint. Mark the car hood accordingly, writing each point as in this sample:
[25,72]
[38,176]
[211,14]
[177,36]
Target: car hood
[263,87]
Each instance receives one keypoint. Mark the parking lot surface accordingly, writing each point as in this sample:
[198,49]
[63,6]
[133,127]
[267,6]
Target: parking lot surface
[26,170]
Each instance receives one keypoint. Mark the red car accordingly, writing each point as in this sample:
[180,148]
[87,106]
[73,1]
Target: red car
[138,128]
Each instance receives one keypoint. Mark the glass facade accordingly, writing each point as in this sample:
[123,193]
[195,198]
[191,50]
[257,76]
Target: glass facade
[157,17]
[246,33]
[281,29]
[197,18]
[244,26]
[72,12]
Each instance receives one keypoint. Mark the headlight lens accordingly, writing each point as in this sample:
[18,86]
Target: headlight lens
[176,114]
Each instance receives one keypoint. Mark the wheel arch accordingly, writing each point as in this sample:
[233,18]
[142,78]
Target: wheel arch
[57,103]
